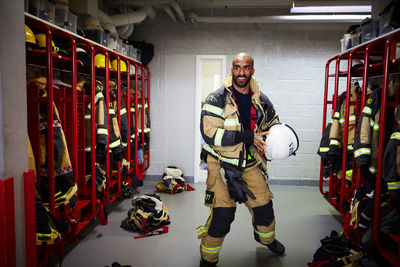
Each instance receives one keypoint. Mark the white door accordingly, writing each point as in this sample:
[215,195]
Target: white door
[210,71]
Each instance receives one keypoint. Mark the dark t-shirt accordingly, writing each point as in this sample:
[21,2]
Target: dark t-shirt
[244,105]
[243,102]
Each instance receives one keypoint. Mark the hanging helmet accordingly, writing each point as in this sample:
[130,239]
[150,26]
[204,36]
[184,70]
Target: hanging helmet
[100,61]
[29,36]
[41,41]
[114,65]
[132,69]
[281,142]
[160,187]
[82,56]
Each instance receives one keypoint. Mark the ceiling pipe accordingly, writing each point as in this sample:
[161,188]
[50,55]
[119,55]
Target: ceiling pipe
[125,31]
[122,24]
[165,4]
[130,18]
[279,19]
[108,23]
[178,10]
[171,14]
[129,33]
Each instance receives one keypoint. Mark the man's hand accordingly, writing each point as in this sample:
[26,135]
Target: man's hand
[258,143]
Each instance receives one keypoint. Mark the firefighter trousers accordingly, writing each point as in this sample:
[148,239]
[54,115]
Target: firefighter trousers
[223,208]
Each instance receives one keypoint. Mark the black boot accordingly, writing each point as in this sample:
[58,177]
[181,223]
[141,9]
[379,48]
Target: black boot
[204,263]
[277,247]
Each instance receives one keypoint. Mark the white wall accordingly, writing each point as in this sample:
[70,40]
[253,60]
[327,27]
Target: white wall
[14,149]
[289,62]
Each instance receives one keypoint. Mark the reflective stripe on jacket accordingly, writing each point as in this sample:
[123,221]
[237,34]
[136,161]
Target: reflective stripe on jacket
[101,132]
[367,133]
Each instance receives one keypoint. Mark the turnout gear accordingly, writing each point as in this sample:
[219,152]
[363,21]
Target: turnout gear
[46,232]
[236,186]
[228,147]
[100,177]
[173,181]
[140,118]
[223,209]
[126,190]
[101,133]
[335,250]
[366,140]
[64,182]
[331,144]
[148,214]
[367,136]
[114,131]
[391,163]
[123,114]
[222,131]
[281,142]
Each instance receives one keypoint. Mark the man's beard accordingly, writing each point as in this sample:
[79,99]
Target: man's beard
[236,82]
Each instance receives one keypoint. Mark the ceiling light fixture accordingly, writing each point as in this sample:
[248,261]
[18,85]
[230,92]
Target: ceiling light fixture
[331,9]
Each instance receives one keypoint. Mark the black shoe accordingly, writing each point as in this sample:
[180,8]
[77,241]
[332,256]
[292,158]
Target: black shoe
[277,247]
[204,263]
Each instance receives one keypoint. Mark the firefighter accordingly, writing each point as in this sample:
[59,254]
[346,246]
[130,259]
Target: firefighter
[234,123]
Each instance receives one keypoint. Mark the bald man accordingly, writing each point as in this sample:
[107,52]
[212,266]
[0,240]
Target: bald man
[234,123]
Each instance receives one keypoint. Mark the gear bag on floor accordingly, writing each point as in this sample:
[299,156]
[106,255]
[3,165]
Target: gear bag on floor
[148,216]
[173,181]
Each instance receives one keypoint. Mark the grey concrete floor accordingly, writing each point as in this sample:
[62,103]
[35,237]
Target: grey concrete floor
[303,218]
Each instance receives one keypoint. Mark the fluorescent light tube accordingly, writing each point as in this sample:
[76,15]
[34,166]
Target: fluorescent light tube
[331,9]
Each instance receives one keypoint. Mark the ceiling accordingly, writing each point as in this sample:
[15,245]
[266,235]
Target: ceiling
[220,10]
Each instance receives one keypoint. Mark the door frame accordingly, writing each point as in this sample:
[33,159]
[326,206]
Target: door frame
[198,175]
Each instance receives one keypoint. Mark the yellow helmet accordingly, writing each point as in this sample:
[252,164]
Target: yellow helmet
[114,65]
[41,41]
[160,187]
[29,36]
[100,61]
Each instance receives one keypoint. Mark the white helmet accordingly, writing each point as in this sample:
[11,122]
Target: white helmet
[281,142]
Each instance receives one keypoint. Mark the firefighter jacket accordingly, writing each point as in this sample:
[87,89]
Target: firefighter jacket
[327,162]
[64,181]
[221,128]
[391,162]
[367,133]
[101,132]
[331,144]
[140,118]
[366,140]
[123,114]
[114,132]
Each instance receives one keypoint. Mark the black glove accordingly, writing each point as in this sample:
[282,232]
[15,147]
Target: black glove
[236,185]
[333,164]
[101,150]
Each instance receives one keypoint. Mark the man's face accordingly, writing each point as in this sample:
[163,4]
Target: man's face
[242,70]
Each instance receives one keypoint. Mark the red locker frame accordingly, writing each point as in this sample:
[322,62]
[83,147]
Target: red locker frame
[334,188]
[71,106]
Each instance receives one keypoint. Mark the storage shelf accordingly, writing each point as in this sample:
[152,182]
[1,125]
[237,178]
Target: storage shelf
[342,191]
